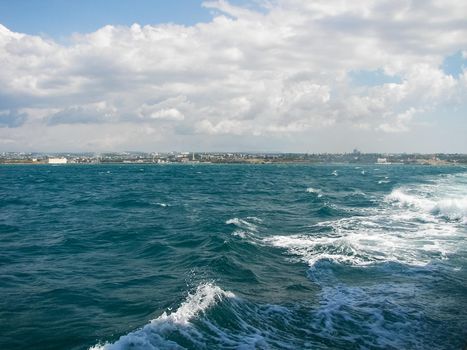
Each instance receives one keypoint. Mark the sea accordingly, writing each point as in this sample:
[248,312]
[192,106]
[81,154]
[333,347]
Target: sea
[209,256]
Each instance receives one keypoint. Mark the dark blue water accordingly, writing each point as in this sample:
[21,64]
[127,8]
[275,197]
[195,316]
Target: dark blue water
[233,257]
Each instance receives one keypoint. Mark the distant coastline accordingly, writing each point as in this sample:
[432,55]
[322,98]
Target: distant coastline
[354,157]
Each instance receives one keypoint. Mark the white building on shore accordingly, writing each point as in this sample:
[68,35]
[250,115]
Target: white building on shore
[57,160]
[382,161]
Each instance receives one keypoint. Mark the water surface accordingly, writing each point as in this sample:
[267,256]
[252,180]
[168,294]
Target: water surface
[233,257]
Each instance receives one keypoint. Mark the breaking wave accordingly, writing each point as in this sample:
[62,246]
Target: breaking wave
[448,208]
[244,227]
[408,227]
[213,318]
[315,191]
[158,333]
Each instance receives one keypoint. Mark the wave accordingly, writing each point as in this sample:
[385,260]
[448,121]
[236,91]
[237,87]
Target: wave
[162,204]
[155,334]
[316,191]
[406,234]
[241,223]
[376,314]
[368,313]
[312,190]
[371,241]
[313,249]
[454,209]
[398,196]
[245,227]
[412,226]
[383,182]
[448,208]
[410,232]
[212,318]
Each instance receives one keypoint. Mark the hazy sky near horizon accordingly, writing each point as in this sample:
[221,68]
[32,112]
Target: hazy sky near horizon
[243,75]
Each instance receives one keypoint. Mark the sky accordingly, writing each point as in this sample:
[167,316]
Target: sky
[238,76]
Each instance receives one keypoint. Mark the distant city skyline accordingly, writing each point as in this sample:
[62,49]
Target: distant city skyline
[269,76]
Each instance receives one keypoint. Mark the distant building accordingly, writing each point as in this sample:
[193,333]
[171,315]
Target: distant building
[382,161]
[57,160]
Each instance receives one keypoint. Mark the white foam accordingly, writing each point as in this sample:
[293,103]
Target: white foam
[205,296]
[412,226]
[454,209]
[316,191]
[398,196]
[313,190]
[245,225]
[151,336]
[247,228]
[240,233]
[383,182]
[368,313]
[355,249]
[312,249]
[450,208]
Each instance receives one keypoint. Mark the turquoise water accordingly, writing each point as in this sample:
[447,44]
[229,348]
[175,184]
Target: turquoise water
[233,257]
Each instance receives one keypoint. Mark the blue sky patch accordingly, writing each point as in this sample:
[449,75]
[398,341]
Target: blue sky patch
[454,64]
[372,77]
[66,17]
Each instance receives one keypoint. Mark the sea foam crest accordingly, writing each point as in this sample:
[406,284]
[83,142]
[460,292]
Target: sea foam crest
[313,249]
[316,191]
[398,196]
[378,239]
[449,208]
[151,336]
[205,296]
[408,227]
[244,224]
[383,182]
[312,190]
[245,227]
[455,209]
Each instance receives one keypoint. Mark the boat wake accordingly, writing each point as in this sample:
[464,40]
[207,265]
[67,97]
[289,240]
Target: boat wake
[374,273]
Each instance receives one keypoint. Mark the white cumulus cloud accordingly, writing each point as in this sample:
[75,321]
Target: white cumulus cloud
[276,74]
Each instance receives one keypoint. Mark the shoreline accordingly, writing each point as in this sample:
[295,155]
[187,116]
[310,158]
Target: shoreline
[239,163]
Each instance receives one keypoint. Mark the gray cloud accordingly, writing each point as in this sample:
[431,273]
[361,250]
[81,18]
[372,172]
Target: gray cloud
[99,112]
[12,118]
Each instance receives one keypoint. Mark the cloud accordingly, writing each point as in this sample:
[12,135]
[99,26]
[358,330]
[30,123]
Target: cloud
[98,112]
[165,113]
[11,118]
[287,68]
[169,109]
[401,122]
